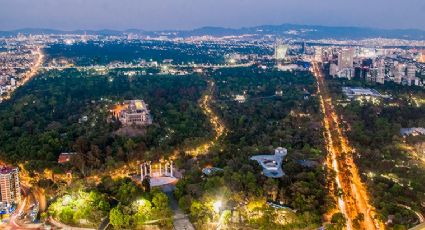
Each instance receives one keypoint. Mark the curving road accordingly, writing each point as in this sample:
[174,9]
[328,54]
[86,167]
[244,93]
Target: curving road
[218,126]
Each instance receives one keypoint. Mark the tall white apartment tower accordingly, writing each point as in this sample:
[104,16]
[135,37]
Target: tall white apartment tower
[346,58]
[280,50]
[9,186]
[399,72]
[380,67]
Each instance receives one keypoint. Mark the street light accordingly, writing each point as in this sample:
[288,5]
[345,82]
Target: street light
[217,206]
[141,202]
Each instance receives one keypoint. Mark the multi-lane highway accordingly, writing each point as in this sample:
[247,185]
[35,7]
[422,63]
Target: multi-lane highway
[352,199]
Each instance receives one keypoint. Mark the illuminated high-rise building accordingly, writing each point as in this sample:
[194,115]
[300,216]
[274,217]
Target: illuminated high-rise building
[411,74]
[422,56]
[318,54]
[380,71]
[346,58]
[280,50]
[303,48]
[10,192]
[399,72]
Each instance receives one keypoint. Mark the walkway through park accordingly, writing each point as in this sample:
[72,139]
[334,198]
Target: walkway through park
[180,220]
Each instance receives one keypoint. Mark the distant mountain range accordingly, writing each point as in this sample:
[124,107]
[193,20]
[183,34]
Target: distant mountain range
[284,30]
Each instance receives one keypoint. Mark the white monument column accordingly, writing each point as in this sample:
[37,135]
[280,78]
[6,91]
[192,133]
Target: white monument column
[160,169]
[146,170]
[171,167]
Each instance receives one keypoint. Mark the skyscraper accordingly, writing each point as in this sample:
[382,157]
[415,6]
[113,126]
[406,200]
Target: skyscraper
[411,73]
[422,56]
[399,72]
[303,48]
[318,52]
[380,67]
[280,50]
[346,58]
[9,186]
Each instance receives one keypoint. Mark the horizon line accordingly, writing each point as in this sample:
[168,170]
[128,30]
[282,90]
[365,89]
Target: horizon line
[208,26]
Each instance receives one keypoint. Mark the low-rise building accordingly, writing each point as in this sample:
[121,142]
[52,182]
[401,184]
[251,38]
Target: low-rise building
[272,164]
[362,93]
[65,157]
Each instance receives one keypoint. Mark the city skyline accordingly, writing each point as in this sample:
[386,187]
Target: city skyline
[212,114]
[190,14]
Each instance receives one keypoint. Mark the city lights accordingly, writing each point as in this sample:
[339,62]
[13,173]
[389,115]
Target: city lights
[354,198]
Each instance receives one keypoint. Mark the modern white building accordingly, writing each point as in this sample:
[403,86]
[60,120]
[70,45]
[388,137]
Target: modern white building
[280,51]
[358,93]
[411,74]
[333,69]
[399,72]
[272,164]
[346,73]
[380,68]
[346,58]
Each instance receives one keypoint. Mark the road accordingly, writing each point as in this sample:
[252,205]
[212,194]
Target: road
[64,226]
[421,217]
[30,197]
[30,200]
[29,74]
[418,227]
[218,126]
[34,195]
[136,66]
[180,220]
[354,199]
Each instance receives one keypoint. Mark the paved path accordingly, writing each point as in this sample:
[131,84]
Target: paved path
[104,224]
[419,227]
[180,220]
[421,217]
[64,226]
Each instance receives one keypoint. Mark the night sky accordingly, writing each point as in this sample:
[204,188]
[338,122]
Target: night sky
[188,14]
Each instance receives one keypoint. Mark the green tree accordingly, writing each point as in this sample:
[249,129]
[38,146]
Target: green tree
[117,218]
[338,221]
[66,215]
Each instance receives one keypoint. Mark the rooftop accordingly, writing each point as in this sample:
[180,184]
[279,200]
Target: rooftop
[272,164]
[136,106]
[415,131]
[7,170]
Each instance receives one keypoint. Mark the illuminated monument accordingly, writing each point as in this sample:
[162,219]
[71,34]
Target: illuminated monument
[133,112]
[159,173]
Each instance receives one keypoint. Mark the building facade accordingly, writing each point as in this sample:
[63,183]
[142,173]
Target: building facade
[411,74]
[346,58]
[135,112]
[280,51]
[9,186]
